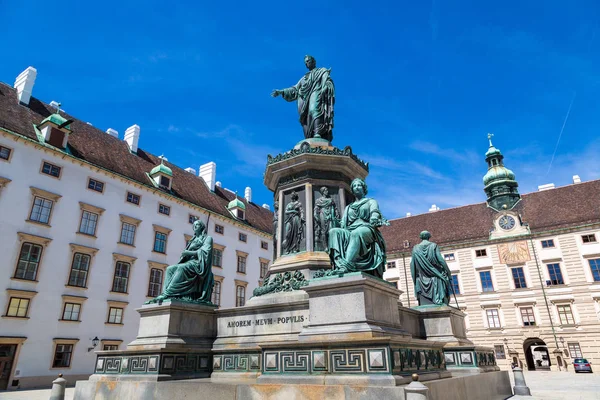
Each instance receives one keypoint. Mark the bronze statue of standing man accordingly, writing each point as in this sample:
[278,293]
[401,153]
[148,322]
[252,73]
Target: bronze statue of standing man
[326,216]
[430,273]
[316,95]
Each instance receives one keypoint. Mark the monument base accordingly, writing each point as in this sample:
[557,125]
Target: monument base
[490,386]
[174,342]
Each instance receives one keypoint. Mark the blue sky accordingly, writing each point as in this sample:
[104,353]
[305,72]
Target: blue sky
[418,84]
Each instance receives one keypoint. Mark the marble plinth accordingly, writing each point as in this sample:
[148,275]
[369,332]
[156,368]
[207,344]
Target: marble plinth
[174,342]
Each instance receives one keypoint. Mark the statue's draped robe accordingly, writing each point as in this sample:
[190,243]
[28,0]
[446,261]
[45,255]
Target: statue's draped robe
[294,228]
[192,276]
[325,217]
[357,245]
[316,96]
[430,273]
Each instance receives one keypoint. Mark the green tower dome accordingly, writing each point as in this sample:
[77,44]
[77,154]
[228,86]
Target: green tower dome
[236,203]
[162,168]
[500,184]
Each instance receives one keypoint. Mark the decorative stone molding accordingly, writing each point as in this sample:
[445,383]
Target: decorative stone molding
[124,258]
[24,294]
[157,265]
[240,253]
[93,209]
[162,229]
[74,299]
[219,246]
[45,194]
[240,283]
[78,248]
[3,182]
[130,220]
[27,237]
[305,148]
[117,303]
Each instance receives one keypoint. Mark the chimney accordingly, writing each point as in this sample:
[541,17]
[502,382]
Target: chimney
[24,85]
[434,208]
[218,184]
[266,206]
[190,170]
[132,136]
[112,132]
[576,179]
[208,172]
[248,194]
[408,214]
[548,186]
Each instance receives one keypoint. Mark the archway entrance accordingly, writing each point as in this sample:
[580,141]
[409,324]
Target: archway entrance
[537,355]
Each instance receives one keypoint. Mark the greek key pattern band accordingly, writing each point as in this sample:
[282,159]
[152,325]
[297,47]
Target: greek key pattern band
[163,363]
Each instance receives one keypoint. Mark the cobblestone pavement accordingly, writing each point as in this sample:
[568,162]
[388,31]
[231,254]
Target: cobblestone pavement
[38,394]
[548,385]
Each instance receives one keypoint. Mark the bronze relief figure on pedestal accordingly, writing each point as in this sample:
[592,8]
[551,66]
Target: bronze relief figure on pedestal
[326,216]
[294,226]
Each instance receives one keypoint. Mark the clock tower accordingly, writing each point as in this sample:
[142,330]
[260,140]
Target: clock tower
[500,184]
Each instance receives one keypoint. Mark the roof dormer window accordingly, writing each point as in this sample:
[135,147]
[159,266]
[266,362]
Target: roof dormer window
[162,176]
[237,208]
[55,129]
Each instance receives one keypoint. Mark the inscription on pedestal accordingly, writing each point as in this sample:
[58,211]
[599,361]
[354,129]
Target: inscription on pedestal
[266,321]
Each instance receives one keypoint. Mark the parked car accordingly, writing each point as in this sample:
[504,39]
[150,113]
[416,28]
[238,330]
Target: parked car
[582,364]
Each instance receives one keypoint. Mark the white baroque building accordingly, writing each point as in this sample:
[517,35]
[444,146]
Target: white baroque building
[88,224]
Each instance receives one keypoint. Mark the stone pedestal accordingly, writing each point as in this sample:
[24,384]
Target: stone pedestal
[355,306]
[446,324]
[174,342]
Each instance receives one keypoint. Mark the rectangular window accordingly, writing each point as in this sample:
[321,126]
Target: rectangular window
[5,153]
[164,182]
[160,242]
[565,314]
[115,315]
[588,238]
[455,285]
[17,307]
[218,257]
[519,278]
[127,233]
[71,312]
[493,318]
[79,270]
[51,169]
[527,316]
[155,285]
[242,237]
[96,185]
[547,243]
[121,278]
[41,210]
[62,356]
[499,350]
[486,281]
[449,257]
[166,210]
[192,218]
[133,198]
[595,267]
[391,264]
[575,350]
[240,296]
[216,294]
[29,261]
[88,223]
[555,274]
[219,229]
[110,347]
[264,268]
[264,245]
[481,253]
[241,264]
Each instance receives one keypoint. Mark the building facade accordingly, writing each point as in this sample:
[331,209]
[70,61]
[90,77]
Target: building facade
[89,222]
[525,269]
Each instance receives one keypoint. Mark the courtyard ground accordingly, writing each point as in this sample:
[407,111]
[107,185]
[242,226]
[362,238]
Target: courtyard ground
[543,385]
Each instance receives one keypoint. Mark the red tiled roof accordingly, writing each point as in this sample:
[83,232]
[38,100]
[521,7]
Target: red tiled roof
[99,148]
[567,206]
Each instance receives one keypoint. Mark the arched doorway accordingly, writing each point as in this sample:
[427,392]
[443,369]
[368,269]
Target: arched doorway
[537,355]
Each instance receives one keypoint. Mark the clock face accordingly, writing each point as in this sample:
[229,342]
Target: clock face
[506,222]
